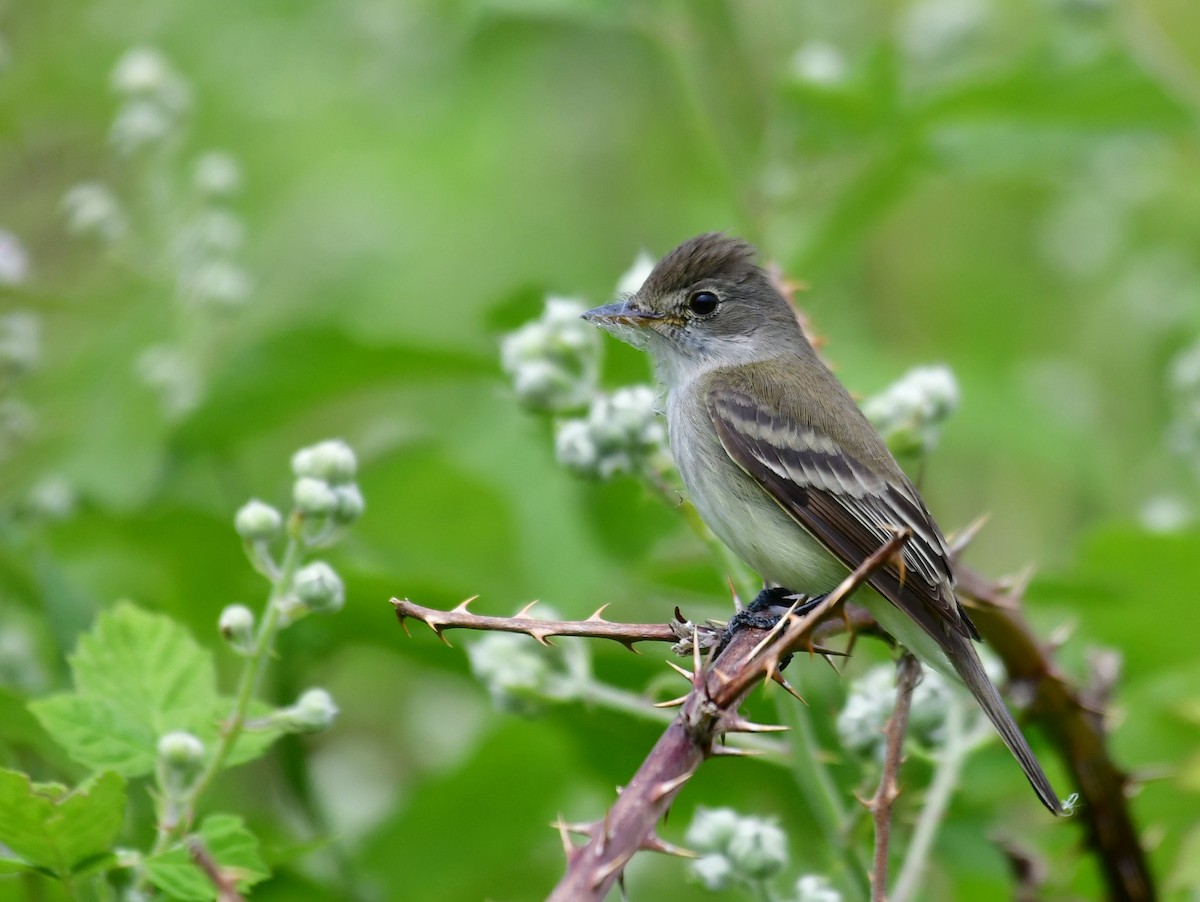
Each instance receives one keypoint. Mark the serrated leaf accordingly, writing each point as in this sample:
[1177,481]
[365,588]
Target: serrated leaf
[54,830]
[138,675]
[232,847]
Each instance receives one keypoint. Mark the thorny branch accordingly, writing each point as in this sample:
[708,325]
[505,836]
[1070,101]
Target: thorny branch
[1069,719]
[908,674]
[1075,724]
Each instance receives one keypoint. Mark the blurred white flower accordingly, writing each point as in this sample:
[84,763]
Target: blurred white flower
[1166,514]
[909,412]
[20,342]
[14,259]
[553,361]
[819,63]
[139,123]
[220,283]
[217,174]
[53,497]
[620,432]
[173,375]
[210,230]
[145,73]
[741,848]
[870,702]
[815,888]
[634,277]
[91,209]
[938,28]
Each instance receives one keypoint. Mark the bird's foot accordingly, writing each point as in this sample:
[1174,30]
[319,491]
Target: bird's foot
[765,612]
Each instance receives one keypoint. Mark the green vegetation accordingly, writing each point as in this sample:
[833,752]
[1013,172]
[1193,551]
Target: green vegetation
[231,230]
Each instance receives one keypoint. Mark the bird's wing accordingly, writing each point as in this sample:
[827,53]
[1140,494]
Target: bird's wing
[845,504]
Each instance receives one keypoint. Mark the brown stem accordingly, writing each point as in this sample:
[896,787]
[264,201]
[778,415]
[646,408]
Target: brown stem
[1072,723]
[225,885]
[908,674]
[709,711]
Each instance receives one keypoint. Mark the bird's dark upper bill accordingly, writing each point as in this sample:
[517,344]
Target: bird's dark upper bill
[621,312]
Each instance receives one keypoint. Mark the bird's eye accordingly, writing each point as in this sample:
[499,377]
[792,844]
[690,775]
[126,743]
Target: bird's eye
[702,303]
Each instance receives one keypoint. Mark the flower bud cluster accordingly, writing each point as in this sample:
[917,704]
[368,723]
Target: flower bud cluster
[553,361]
[909,413]
[208,244]
[325,490]
[313,712]
[519,673]
[14,260]
[621,432]
[871,700]
[154,100]
[735,848]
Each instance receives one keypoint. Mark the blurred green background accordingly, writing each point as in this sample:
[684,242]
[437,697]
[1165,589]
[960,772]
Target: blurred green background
[1011,187]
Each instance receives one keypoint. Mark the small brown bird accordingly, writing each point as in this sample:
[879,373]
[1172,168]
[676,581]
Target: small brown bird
[784,467]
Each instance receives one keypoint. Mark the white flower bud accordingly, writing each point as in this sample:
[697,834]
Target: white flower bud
[220,283]
[332,461]
[237,626]
[714,872]
[14,259]
[257,521]
[518,673]
[620,433]
[815,888]
[870,703]
[910,411]
[711,829]
[313,497]
[142,70]
[819,63]
[139,123]
[553,361]
[758,848]
[91,209]
[180,752]
[20,342]
[319,588]
[217,174]
[350,504]
[313,712]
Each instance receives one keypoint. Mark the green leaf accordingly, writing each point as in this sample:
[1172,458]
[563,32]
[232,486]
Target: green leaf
[232,847]
[49,828]
[138,675]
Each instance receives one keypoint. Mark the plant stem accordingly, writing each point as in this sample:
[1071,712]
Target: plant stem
[821,793]
[958,745]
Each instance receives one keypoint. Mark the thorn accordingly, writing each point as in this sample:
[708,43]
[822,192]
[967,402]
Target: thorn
[604,835]
[696,668]
[653,843]
[730,751]
[788,687]
[564,834]
[438,626]
[686,674]
[737,602]
[596,618]
[628,643]
[679,618]
[606,871]
[462,605]
[672,703]
[524,612]
[666,787]
[542,636]
[737,724]
[722,677]
[965,536]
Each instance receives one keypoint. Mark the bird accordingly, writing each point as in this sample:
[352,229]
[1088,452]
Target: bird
[783,466]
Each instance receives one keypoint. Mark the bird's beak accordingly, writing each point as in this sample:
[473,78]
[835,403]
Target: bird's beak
[621,313]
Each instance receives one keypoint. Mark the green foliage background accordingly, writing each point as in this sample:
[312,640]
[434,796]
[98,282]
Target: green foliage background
[1016,198]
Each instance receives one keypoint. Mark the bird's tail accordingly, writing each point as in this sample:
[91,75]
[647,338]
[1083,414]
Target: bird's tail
[961,652]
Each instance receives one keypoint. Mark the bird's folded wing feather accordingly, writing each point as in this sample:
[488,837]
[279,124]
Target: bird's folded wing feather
[845,504]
